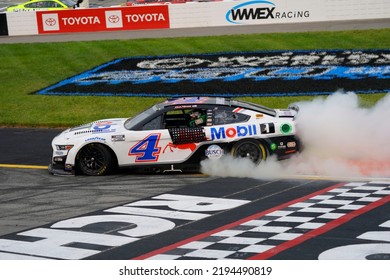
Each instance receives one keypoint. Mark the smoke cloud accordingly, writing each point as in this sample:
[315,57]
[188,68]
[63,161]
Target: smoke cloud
[340,139]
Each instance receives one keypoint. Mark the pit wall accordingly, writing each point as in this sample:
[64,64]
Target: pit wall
[190,15]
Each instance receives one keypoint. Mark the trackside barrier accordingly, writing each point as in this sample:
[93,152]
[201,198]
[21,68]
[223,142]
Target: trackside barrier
[192,14]
[22,23]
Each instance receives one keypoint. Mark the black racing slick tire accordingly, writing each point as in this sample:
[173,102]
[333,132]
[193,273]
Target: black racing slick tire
[251,149]
[95,160]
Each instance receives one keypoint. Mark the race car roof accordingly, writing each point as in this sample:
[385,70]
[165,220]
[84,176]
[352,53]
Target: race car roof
[205,100]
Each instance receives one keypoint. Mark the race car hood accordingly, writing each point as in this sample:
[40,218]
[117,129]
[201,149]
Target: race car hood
[96,127]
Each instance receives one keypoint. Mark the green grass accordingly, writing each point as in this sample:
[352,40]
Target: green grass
[26,68]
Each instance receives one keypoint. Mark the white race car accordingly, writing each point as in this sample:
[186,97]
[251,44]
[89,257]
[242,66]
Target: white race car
[176,135]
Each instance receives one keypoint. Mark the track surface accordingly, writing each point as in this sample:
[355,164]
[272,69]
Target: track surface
[130,216]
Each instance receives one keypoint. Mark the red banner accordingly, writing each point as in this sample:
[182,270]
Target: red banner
[103,19]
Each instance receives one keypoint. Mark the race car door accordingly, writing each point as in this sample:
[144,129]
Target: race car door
[165,139]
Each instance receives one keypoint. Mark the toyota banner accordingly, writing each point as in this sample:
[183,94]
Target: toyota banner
[103,19]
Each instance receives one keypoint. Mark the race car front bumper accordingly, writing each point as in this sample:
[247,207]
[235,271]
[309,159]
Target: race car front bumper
[59,172]
[59,167]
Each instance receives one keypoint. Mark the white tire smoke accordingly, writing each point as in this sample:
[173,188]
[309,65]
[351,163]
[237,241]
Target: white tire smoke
[340,139]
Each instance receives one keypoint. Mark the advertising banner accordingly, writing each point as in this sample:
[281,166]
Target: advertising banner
[259,12]
[103,19]
[236,74]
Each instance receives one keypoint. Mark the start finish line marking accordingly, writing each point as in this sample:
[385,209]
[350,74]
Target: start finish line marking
[270,232]
[82,237]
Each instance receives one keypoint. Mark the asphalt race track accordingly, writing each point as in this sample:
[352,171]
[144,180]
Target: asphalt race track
[180,216]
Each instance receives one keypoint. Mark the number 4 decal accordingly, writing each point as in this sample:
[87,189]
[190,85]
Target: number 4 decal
[147,149]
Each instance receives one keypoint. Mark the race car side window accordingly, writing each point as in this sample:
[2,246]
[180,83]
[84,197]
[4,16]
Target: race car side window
[34,5]
[52,4]
[176,118]
[227,116]
[153,124]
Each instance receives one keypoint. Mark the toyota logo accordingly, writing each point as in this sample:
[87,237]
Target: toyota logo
[113,19]
[50,22]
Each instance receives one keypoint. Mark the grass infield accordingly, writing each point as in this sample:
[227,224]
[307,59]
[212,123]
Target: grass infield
[26,68]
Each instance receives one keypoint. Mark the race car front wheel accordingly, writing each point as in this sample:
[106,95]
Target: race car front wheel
[94,160]
[251,149]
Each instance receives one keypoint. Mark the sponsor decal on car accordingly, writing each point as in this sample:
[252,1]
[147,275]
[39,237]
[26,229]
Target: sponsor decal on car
[172,147]
[267,128]
[104,127]
[291,144]
[214,152]
[235,75]
[286,128]
[100,139]
[232,132]
[118,138]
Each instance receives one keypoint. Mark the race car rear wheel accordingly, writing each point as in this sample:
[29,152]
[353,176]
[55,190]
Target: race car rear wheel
[94,160]
[251,149]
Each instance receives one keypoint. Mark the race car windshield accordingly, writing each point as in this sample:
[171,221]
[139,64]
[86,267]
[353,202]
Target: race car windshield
[132,122]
